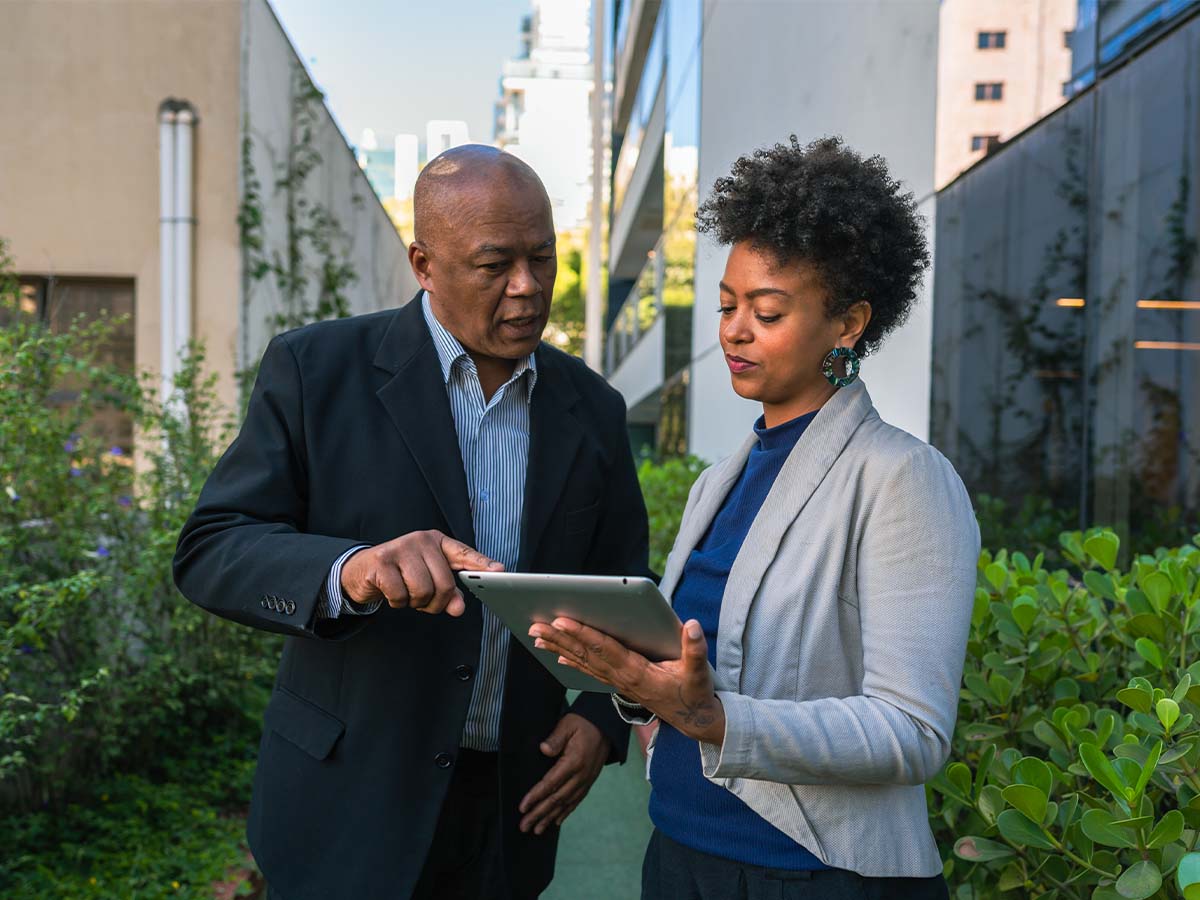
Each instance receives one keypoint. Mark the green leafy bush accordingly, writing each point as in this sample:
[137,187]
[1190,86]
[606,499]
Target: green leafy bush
[110,682]
[665,486]
[1076,755]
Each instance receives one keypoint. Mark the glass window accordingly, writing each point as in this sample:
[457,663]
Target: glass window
[60,301]
[989,90]
[992,40]
[986,142]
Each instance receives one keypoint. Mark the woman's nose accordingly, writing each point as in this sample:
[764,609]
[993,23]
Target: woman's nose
[736,329]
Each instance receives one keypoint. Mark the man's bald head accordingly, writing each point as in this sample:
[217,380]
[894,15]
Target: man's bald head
[464,176]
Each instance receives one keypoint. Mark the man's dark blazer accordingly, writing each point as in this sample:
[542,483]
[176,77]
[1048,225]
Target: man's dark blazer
[349,439]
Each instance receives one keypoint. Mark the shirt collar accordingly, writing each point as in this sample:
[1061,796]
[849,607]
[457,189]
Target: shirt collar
[451,352]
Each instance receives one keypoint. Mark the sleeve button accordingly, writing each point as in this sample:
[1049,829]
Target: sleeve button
[443,760]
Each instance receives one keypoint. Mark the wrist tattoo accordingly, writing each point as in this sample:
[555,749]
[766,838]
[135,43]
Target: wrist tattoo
[699,714]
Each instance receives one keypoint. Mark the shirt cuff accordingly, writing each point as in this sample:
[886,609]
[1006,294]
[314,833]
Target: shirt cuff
[333,602]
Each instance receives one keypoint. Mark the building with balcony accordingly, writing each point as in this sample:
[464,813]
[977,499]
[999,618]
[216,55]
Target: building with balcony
[1067,295]
[697,83]
[177,166]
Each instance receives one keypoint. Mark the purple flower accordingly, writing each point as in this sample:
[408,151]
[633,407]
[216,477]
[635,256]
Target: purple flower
[76,471]
[26,649]
[70,446]
[102,551]
[125,501]
[116,451]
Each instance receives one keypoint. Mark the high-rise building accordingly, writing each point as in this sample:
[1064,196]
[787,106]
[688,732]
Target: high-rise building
[696,84]
[379,164]
[1002,65]
[442,134]
[407,165]
[543,113]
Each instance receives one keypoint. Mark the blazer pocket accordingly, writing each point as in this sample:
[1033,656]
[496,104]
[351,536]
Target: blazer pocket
[307,726]
[578,521]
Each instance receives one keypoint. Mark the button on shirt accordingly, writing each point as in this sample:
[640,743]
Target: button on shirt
[493,439]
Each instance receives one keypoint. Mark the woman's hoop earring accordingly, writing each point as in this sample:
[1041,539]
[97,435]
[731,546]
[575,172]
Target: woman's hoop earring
[853,363]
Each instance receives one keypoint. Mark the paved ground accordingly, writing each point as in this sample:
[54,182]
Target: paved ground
[600,850]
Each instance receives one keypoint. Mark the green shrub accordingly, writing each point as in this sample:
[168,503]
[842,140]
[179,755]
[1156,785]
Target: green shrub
[1075,762]
[665,486]
[129,718]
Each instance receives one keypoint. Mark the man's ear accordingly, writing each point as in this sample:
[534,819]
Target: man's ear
[419,259]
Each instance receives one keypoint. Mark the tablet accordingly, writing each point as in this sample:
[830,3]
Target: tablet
[629,609]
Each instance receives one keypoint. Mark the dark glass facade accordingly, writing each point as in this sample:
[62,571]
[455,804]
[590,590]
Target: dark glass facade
[1067,306]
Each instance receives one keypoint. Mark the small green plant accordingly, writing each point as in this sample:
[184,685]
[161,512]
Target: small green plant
[1076,756]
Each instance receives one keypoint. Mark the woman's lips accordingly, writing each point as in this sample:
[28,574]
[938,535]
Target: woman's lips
[737,365]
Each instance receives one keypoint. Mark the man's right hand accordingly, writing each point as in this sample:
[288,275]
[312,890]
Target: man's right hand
[416,571]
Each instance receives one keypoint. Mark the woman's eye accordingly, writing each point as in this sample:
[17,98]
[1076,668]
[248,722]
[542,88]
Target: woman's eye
[725,310]
[767,320]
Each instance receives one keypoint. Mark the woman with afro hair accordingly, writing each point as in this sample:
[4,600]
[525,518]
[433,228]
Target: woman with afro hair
[825,572]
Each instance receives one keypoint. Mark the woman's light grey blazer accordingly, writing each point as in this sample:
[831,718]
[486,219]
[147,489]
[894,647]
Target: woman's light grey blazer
[842,634]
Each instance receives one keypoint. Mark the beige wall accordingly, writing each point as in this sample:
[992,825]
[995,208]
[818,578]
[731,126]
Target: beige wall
[80,86]
[1033,66]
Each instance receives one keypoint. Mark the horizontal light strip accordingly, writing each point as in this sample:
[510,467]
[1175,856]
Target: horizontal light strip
[1169,304]
[1165,345]
[1073,302]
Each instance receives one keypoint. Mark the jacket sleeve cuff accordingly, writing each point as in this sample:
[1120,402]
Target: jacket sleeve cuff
[732,758]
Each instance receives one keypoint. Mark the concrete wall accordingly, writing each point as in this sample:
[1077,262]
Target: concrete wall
[875,86]
[367,242]
[80,87]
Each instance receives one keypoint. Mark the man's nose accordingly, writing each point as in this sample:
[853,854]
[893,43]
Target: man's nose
[521,282]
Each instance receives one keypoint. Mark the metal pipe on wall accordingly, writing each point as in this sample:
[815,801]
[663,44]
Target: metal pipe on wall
[166,244]
[176,121]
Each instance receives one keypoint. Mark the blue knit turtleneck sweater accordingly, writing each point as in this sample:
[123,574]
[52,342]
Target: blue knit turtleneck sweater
[684,805]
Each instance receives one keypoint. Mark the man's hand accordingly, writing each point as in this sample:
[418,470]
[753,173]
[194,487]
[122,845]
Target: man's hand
[416,571]
[679,691]
[581,750]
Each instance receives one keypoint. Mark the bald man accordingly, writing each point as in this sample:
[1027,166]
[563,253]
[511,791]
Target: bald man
[410,748]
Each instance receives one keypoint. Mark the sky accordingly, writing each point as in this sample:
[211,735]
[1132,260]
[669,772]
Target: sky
[392,65]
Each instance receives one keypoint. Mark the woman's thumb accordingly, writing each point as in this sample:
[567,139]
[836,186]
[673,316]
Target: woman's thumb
[695,648]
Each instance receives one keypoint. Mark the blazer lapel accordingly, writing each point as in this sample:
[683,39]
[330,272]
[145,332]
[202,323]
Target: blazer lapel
[554,438]
[718,483]
[806,466]
[416,401]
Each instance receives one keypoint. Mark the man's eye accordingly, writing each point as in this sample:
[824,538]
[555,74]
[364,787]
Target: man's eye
[494,267]
[542,259]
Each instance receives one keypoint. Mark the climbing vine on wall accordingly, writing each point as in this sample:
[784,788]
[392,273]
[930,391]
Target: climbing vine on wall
[311,271]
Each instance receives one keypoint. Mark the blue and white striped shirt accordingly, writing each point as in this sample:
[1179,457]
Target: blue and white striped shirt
[493,438]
